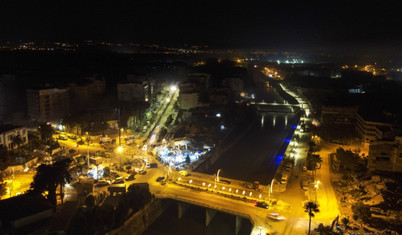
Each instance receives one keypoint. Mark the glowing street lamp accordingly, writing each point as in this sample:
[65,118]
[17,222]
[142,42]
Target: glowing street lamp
[173,88]
[120,149]
[316,185]
[87,148]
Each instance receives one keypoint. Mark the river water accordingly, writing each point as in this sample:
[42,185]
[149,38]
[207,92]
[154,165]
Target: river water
[255,157]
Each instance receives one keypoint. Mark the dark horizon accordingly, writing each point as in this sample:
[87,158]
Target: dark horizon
[352,26]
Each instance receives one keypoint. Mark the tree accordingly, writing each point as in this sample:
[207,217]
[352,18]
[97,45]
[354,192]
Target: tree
[48,177]
[313,160]
[46,132]
[311,208]
[63,175]
[16,140]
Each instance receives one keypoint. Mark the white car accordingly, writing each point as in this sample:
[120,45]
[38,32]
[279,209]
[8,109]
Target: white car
[275,216]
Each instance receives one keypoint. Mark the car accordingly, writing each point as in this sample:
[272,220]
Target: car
[160,178]
[142,172]
[119,180]
[62,137]
[275,217]
[132,172]
[184,173]
[304,167]
[284,179]
[304,185]
[261,204]
[224,181]
[130,177]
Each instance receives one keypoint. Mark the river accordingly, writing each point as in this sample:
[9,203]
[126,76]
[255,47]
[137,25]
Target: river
[255,157]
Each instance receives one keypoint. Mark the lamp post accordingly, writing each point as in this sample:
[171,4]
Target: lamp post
[217,175]
[270,189]
[120,149]
[87,149]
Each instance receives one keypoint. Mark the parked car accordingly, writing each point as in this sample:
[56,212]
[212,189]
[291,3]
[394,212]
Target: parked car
[261,204]
[62,137]
[284,179]
[184,173]
[275,217]
[119,180]
[130,177]
[304,185]
[142,172]
[160,178]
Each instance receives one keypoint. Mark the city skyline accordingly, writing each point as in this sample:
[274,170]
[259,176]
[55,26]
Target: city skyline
[342,27]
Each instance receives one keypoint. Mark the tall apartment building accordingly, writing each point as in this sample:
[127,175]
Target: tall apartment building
[188,100]
[85,93]
[9,96]
[338,114]
[47,104]
[8,134]
[235,84]
[131,91]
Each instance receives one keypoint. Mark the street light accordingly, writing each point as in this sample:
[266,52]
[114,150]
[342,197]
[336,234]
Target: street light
[173,88]
[87,149]
[260,229]
[270,190]
[217,175]
[120,149]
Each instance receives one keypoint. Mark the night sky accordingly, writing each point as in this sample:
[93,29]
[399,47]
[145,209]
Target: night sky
[231,24]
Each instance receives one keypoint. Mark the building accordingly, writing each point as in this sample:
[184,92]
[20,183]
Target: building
[9,96]
[48,104]
[22,211]
[86,92]
[331,114]
[235,84]
[371,128]
[188,100]
[131,92]
[386,155]
[191,95]
[8,134]
[201,80]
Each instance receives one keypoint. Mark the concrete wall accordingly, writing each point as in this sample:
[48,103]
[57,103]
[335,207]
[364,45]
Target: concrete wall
[141,220]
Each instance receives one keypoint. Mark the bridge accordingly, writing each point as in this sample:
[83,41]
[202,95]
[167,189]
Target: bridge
[275,107]
[213,203]
[274,103]
[229,196]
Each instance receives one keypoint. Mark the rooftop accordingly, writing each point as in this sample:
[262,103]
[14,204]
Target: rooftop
[7,127]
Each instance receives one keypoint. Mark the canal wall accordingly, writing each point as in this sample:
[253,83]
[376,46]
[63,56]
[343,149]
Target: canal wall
[141,220]
[277,188]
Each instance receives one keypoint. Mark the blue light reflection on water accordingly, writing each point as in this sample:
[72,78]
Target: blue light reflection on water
[278,160]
